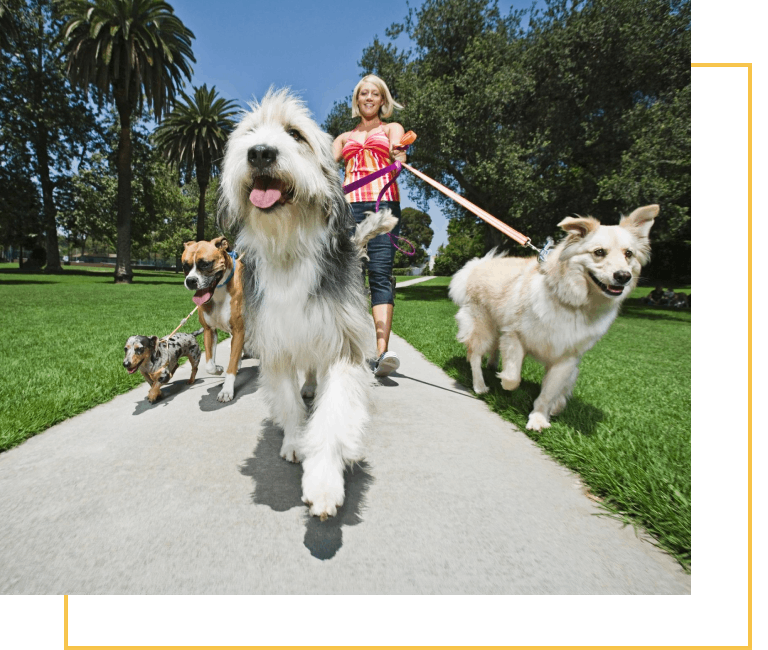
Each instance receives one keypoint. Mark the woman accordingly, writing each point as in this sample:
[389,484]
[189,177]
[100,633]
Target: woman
[370,146]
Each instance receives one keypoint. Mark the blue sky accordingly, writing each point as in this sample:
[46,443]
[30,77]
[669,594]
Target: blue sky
[243,48]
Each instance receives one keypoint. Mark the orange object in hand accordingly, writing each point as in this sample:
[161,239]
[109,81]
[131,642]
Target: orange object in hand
[406,140]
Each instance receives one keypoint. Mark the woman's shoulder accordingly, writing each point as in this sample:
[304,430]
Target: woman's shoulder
[394,130]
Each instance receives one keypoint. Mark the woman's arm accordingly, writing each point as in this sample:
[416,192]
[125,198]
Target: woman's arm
[338,145]
[395,133]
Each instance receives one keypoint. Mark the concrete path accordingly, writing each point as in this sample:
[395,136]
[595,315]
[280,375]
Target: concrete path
[190,496]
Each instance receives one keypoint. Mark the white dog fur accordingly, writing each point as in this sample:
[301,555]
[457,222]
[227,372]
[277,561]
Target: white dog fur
[304,288]
[554,311]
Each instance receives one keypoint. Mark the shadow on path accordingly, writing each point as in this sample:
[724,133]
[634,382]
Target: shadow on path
[246,383]
[168,392]
[278,485]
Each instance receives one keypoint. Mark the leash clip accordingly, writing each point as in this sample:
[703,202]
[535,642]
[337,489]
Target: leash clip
[544,252]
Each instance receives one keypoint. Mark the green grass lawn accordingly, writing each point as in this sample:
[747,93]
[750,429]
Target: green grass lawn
[627,428]
[63,340]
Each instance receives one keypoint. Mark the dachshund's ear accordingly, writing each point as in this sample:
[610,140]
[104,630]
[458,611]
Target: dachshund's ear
[153,342]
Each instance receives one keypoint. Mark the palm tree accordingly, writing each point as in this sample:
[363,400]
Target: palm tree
[130,52]
[193,135]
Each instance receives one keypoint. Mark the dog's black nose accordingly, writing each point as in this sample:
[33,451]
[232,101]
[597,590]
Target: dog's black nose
[126,364]
[262,155]
[191,283]
[622,277]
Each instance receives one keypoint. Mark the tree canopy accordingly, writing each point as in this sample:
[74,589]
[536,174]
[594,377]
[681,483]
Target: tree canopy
[578,107]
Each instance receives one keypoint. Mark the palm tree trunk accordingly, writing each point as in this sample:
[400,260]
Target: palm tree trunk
[203,184]
[123,273]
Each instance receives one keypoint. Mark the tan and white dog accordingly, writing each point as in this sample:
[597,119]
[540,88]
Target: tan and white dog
[216,277]
[553,311]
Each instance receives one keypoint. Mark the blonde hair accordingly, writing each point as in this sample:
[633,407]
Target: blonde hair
[388,105]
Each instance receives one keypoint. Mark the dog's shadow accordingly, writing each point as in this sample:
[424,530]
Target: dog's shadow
[246,383]
[278,485]
[578,414]
[168,394]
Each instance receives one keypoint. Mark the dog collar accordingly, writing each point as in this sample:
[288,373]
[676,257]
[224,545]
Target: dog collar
[234,256]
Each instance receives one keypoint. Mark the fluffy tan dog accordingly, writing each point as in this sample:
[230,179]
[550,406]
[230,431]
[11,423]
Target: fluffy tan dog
[553,311]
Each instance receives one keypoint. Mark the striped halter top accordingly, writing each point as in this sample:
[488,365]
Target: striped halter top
[364,159]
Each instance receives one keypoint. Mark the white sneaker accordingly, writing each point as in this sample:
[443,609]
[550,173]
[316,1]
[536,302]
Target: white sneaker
[388,362]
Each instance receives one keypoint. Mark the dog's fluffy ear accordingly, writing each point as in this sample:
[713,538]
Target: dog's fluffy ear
[641,220]
[187,244]
[153,340]
[221,242]
[579,226]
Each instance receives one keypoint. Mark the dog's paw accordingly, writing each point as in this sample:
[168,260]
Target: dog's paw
[227,392]
[322,491]
[290,452]
[480,390]
[509,384]
[213,369]
[537,422]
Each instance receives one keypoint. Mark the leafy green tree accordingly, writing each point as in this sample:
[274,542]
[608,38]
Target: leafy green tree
[130,52]
[40,112]
[585,108]
[8,29]
[193,135]
[415,226]
[465,241]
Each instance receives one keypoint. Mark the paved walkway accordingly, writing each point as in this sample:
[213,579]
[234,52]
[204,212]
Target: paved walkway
[190,496]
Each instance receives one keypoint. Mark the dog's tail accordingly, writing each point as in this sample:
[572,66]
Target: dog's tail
[375,223]
[198,332]
[457,289]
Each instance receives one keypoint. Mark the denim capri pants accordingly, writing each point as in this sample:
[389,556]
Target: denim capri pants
[381,253]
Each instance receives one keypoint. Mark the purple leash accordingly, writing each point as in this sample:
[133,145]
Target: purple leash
[396,167]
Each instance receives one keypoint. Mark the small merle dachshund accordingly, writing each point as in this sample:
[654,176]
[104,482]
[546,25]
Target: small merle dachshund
[157,360]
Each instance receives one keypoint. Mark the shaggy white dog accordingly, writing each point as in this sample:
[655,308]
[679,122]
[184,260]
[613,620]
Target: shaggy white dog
[305,298]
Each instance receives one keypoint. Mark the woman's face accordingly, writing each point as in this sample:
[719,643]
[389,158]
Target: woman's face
[369,100]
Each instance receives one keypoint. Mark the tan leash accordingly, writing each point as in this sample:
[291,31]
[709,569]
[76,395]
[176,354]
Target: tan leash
[181,324]
[510,232]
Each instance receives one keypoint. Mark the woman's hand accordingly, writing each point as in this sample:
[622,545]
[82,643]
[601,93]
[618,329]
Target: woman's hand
[395,133]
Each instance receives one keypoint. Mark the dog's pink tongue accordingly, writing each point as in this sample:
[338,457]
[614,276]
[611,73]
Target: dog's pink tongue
[201,297]
[130,372]
[265,194]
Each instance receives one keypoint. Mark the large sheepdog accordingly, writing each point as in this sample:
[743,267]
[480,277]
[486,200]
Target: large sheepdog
[281,188]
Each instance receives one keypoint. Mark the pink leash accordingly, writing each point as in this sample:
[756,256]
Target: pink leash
[395,167]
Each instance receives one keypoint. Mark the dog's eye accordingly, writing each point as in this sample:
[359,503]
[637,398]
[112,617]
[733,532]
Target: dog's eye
[203,265]
[295,135]
[139,350]
[599,252]
[187,268]
[629,254]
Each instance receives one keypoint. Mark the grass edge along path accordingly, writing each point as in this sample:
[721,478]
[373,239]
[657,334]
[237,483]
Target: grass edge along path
[627,428]
[66,338]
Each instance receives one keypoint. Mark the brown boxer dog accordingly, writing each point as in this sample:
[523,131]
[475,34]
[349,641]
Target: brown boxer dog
[216,277]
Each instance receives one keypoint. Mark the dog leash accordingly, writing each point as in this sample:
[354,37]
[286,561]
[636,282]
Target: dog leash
[234,255]
[395,167]
[407,139]
[183,320]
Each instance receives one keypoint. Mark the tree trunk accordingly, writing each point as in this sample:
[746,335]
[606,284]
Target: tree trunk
[40,145]
[123,273]
[201,210]
[52,257]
